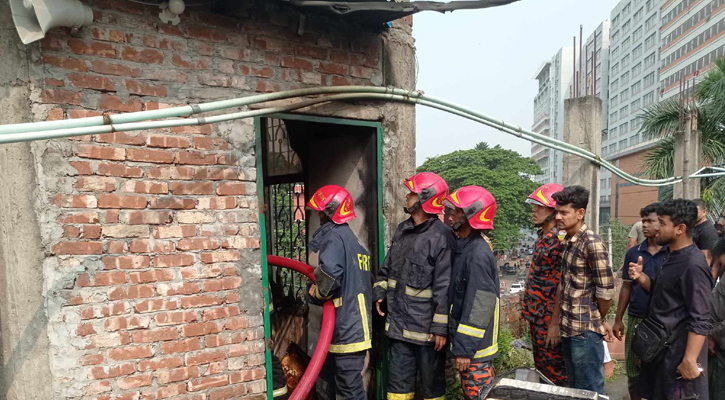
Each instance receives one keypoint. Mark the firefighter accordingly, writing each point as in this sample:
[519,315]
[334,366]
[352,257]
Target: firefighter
[541,285]
[411,290]
[474,292]
[344,277]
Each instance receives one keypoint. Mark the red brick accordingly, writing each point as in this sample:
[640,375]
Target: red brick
[131,292]
[205,129]
[125,231]
[176,231]
[220,256]
[60,96]
[267,87]
[340,81]
[91,359]
[91,231]
[194,188]
[83,217]
[264,72]
[204,33]
[361,72]
[207,271]
[203,143]
[175,318]
[201,63]
[50,42]
[95,184]
[333,68]
[176,375]
[104,153]
[240,243]
[231,189]
[113,35]
[71,232]
[216,174]
[154,105]
[219,313]
[144,89]
[65,63]
[146,217]
[146,56]
[116,247]
[155,335]
[207,356]
[181,346]
[148,187]
[126,262]
[200,301]
[208,383]
[130,353]
[151,276]
[121,170]
[273,45]
[168,141]
[82,167]
[112,216]
[155,305]
[167,391]
[136,139]
[97,387]
[56,114]
[198,244]
[227,392]
[118,323]
[110,278]
[151,156]
[106,68]
[297,63]
[195,158]
[163,363]
[110,102]
[54,82]
[78,248]
[173,260]
[121,201]
[82,81]
[247,375]
[166,173]
[114,371]
[85,330]
[340,56]
[135,381]
[217,203]
[82,47]
[311,52]
[237,323]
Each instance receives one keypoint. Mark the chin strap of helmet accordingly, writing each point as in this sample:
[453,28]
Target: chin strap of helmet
[550,217]
[409,210]
[457,225]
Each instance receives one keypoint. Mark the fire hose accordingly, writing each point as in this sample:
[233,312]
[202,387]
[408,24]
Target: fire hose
[323,343]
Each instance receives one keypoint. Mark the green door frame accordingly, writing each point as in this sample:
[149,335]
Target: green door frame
[380,389]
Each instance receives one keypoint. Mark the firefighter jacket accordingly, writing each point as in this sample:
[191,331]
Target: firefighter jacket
[344,277]
[414,281]
[474,292]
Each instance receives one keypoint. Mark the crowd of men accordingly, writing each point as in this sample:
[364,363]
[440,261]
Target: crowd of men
[438,290]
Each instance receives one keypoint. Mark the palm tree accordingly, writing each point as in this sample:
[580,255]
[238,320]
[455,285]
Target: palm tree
[661,120]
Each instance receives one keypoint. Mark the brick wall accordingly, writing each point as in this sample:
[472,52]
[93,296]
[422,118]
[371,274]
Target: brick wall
[152,240]
[511,314]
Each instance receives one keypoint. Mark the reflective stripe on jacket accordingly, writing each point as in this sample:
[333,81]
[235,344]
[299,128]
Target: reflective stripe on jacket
[414,281]
[344,277]
[475,305]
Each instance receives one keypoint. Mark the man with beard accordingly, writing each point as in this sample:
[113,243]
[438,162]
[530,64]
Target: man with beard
[474,291]
[543,279]
[633,296]
[680,303]
[413,285]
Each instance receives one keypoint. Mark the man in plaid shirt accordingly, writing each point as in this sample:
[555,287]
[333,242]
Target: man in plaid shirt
[584,296]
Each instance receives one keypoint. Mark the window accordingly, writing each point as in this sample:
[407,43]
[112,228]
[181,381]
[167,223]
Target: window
[626,27]
[624,111]
[615,53]
[649,79]
[602,184]
[650,41]
[604,152]
[637,52]
[613,132]
[625,77]
[622,144]
[615,68]
[651,22]
[625,44]
[625,61]
[613,117]
[649,5]
[624,128]
[636,87]
[613,101]
[636,105]
[614,36]
[637,34]
[612,148]
[649,61]
[614,85]
[648,99]
[636,70]
[624,95]
[638,15]
[615,21]
[626,10]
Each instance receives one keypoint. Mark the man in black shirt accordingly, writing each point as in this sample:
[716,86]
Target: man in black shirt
[680,295]
[704,235]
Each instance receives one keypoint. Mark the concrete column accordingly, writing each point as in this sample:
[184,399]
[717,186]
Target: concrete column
[583,128]
[24,362]
[688,159]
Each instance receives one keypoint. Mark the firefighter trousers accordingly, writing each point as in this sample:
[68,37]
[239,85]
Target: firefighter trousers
[343,375]
[409,361]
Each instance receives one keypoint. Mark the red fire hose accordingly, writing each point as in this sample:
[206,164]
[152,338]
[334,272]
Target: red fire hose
[323,343]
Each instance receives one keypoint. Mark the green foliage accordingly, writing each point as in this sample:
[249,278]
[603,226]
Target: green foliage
[454,391]
[619,238]
[508,357]
[502,172]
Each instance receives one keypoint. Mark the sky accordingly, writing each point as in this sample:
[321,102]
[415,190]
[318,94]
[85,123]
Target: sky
[485,60]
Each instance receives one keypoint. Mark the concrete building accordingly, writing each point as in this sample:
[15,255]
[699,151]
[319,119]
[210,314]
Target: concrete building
[693,37]
[555,78]
[633,84]
[131,263]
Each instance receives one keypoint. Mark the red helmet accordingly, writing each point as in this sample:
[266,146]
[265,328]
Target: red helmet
[543,196]
[478,205]
[431,189]
[335,202]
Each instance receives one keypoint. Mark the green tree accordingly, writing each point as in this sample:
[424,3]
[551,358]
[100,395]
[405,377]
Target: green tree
[662,120]
[502,172]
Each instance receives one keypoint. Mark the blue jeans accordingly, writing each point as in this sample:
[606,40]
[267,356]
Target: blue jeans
[584,359]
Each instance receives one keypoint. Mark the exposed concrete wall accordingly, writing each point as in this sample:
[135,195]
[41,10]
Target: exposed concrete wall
[688,159]
[23,321]
[583,128]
